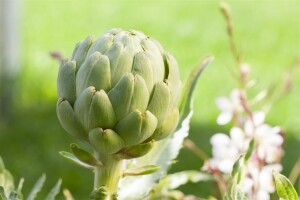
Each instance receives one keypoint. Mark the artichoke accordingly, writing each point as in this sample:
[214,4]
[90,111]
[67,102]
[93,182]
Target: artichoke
[119,93]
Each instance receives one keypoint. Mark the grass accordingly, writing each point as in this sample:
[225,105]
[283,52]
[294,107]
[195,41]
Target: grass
[267,33]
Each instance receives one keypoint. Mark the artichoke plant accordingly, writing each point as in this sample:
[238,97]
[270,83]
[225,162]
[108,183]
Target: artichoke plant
[120,94]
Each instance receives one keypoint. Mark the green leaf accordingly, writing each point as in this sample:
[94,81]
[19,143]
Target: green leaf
[147,169]
[135,151]
[238,168]
[37,187]
[54,191]
[101,194]
[185,105]
[84,156]
[13,196]
[173,181]
[19,188]
[169,183]
[2,166]
[233,191]
[67,194]
[6,179]
[166,150]
[284,187]
[250,150]
[2,194]
[72,158]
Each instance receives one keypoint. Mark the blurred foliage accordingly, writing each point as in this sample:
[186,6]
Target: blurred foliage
[267,33]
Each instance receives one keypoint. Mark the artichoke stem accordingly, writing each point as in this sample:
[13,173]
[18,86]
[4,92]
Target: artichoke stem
[108,175]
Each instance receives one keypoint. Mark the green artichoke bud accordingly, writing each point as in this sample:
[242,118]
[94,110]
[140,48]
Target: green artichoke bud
[119,92]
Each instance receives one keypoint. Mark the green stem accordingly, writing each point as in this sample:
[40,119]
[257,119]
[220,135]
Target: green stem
[108,175]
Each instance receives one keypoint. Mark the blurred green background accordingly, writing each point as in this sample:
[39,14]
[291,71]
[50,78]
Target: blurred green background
[267,33]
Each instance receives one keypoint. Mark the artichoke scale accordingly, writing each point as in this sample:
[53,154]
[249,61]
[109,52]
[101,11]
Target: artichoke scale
[124,64]
[142,66]
[82,106]
[101,113]
[81,52]
[114,53]
[158,69]
[66,87]
[75,49]
[149,124]
[140,98]
[120,95]
[173,79]
[105,141]
[133,41]
[168,126]
[130,127]
[134,151]
[69,120]
[94,72]
[159,101]
[102,44]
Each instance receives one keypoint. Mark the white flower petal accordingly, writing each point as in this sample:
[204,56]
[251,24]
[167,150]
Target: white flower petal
[225,166]
[224,118]
[232,153]
[276,130]
[275,140]
[236,134]
[249,129]
[274,155]
[245,68]
[220,139]
[258,118]
[224,104]
[235,97]
[238,138]
[263,195]
[248,183]
[266,179]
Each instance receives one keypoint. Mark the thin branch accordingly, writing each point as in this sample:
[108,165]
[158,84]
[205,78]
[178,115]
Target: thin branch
[57,56]
[190,145]
[295,172]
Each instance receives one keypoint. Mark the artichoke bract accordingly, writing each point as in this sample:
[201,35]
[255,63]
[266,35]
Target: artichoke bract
[119,92]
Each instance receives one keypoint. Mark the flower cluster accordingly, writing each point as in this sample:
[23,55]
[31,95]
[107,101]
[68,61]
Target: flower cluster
[258,182]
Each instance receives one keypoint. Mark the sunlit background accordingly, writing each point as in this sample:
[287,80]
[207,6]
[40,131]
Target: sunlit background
[267,33]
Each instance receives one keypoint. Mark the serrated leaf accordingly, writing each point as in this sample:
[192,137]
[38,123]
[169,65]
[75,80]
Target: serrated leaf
[72,158]
[84,156]
[173,181]
[148,169]
[190,85]
[169,183]
[54,191]
[166,150]
[284,187]
[37,187]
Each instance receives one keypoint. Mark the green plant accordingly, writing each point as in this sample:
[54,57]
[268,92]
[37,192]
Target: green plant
[120,94]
